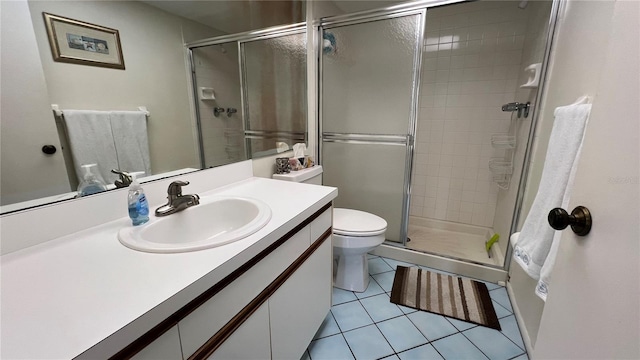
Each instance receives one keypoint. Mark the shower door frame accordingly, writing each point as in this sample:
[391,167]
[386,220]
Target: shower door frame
[544,73]
[378,139]
[469,268]
[239,39]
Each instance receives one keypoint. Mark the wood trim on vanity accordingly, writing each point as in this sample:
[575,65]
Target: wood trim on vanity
[206,350]
[143,341]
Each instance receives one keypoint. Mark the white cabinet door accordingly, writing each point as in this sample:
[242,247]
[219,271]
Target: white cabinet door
[250,340]
[211,316]
[593,307]
[166,346]
[298,307]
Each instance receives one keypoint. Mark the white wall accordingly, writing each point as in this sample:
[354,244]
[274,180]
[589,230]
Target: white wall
[471,66]
[578,55]
[152,45]
[27,122]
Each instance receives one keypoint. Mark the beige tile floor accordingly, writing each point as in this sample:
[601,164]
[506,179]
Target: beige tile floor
[456,244]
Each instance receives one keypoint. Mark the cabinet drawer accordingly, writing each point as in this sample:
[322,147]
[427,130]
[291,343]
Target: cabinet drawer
[250,341]
[321,224]
[166,346]
[206,320]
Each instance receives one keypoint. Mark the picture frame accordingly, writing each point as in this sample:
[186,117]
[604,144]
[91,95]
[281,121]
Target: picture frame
[78,42]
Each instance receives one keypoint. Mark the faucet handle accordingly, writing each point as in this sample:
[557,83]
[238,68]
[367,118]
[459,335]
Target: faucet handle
[175,188]
[125,178]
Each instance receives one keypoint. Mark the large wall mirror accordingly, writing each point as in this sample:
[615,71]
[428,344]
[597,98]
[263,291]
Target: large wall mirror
[216,89]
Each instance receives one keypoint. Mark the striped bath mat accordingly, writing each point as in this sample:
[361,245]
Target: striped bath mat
[452,296]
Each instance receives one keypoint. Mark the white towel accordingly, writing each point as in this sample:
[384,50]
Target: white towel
[91,141]
[537,244]
[131,141]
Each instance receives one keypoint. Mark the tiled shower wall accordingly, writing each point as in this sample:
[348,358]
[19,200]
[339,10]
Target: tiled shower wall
[470,67]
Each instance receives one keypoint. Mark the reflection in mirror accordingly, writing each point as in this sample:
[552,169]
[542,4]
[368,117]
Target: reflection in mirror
[216,72]
[262,88]
[275,92]
[153,35]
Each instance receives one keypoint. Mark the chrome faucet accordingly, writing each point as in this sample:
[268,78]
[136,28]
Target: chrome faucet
[125,178]
[176,201]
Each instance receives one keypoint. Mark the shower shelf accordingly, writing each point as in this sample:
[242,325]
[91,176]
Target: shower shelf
[500,179]
[500,166]
[502,141]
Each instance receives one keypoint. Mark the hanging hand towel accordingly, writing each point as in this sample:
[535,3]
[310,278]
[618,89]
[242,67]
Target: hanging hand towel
[131,141]
[91,141]
[538,243]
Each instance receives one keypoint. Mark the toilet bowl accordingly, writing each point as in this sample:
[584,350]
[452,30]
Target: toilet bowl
[355,233]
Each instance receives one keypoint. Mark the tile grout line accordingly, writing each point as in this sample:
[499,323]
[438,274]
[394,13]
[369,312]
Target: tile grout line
[369,315]
[376,324]
[474,344]
[409,319]
[381,333]
[348,346]
[431,343]
[440,338]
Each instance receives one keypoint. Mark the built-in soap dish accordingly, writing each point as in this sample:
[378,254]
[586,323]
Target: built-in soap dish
[533,71]
[206,93]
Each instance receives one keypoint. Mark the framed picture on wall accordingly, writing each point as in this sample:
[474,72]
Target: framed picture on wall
[78,42]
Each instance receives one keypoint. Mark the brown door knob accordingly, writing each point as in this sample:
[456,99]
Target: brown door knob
[579,220]
[49,149]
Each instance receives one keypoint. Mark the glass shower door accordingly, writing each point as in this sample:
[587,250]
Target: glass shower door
[274,90]
[369,75]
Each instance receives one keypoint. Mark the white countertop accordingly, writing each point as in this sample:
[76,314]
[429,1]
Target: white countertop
[62,297]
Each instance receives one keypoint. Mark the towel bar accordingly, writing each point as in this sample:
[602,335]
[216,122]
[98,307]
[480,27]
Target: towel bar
[57,112]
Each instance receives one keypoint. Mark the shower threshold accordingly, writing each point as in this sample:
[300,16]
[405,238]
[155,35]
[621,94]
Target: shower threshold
[455,240]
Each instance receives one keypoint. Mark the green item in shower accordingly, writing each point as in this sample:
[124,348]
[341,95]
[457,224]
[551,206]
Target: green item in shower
[494,239]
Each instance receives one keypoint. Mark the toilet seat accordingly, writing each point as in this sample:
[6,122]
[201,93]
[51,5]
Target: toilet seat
[349,222]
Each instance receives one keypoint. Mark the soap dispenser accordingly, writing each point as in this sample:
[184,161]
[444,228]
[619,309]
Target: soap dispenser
[90,183]
[137,201]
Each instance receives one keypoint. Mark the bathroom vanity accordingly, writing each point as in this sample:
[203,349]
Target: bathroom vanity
[85,295]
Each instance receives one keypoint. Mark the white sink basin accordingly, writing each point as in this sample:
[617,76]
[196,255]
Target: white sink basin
[214,222]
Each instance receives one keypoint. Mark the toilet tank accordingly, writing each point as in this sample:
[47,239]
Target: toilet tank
[312,175]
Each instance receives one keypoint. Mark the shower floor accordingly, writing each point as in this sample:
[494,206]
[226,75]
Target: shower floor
[460,241]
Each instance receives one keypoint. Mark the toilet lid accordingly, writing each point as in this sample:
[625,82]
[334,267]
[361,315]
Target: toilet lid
[357,223]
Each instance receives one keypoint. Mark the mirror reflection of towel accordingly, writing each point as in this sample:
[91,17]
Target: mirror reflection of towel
[111,139]
[91,141]
[130,138]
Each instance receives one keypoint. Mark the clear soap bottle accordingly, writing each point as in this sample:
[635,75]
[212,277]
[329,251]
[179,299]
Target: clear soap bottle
[137,202]
[91,183]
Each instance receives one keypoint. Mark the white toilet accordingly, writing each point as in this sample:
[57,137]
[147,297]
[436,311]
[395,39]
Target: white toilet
[354,234]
